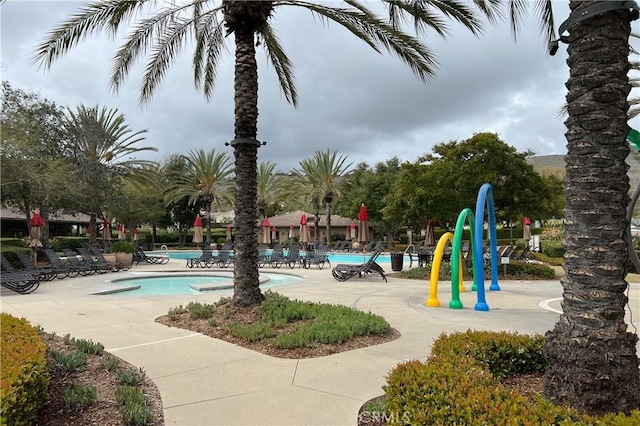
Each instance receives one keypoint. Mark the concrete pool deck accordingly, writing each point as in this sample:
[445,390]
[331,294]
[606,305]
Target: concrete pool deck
[204,381]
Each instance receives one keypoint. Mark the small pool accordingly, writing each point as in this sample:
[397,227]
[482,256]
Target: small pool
[185,284]
[334,258]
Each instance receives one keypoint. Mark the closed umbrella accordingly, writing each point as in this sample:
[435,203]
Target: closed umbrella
[265,231]
[274,233]
[291,233]
[197,230]
[347,233]
[430,239]
[526,232]
[35,233]
[364,235]
[353,230]
[228,233]
[135,235]
[106,232]
[304,229]
[121,232]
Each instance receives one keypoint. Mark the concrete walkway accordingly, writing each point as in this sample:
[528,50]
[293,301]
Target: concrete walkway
[204,381]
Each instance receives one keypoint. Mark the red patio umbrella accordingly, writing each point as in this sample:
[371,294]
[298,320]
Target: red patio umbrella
[274,233]
[364,235]
[304,230]
[121,232]
[228,233]
[135,235]
[265,231]
[197,230]
[35,233]
[291,232]
[353,230]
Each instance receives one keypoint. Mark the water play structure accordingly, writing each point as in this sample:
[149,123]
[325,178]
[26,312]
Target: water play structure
[476,226]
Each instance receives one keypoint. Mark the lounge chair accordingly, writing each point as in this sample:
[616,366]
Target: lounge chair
[317,257]
[263,256]
[376,247]
[19,282]
[204,261]
[140,256]
[345,272]
[277,257]
[294,258]
[100,263]
[46,274]
[224,257]
[84,267]
[63,266]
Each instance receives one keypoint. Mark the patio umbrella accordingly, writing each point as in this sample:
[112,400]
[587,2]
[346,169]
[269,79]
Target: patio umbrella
[304,230]
[274,233]
[35,233]
[526,232]
[291,233]
[121,232]
[430,239]
[353,230]
[364,235]
[135,235]
[265,231]
[228,233]
[197,230]
[106,232]
[347,233]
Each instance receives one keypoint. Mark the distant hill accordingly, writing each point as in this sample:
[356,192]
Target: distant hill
[554,164]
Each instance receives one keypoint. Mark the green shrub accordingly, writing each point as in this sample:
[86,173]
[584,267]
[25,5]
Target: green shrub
[132,405]
[110,363]
[251,332]
[75,361]
[552,248]
[89,347]
[460,384]
[122,247]
[175,313]
[129,377]
[517,269]
[23,371]
[553,261]
[78,397]
[199,310]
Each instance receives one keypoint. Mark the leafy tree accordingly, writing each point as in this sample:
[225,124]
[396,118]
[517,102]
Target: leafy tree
[102,148]
[34,173]
[319,179]
[374,188]
[270,188]
[208,22]
[205,178]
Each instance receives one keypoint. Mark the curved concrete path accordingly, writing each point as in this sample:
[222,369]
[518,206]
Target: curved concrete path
[204,381]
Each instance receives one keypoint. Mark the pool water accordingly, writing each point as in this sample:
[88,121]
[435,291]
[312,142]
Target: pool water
[168,285]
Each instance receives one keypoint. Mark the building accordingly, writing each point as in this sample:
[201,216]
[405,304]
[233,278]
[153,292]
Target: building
[283,222]
[13,224]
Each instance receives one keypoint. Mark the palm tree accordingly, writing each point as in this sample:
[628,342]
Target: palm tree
[269,187]
[592,358]
[102,150]
[205,178]
[319,178]
[209,22]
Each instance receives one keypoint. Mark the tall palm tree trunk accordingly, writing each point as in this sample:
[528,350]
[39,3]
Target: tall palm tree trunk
[328,224]
[592,358]
[245,275]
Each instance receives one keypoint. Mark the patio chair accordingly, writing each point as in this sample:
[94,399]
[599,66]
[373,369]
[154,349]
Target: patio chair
[344,272]
[19,282]
[46,274]
[204,261]
[338,246]
[57,264]
[140,256]
[224,257]
[84,267]
[263,256]
[101,264]
[374,248]
[294,258]
[97,253]
[317,257]
[277,257]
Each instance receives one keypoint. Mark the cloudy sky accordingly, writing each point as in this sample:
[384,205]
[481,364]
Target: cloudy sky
[369,107]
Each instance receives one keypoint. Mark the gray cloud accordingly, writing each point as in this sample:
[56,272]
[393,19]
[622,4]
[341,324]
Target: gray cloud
[367,106]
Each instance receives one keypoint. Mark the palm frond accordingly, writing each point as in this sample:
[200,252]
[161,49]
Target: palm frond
[544,9]
[93,17]
[377,33]
[281,63]
[517,10]
[139,40]
[423,18]
[209,35]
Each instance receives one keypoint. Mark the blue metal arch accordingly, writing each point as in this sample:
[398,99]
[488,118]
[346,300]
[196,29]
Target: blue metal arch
[485,197]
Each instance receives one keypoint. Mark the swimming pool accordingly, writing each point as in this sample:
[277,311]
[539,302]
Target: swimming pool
[185,284]
[334,258]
